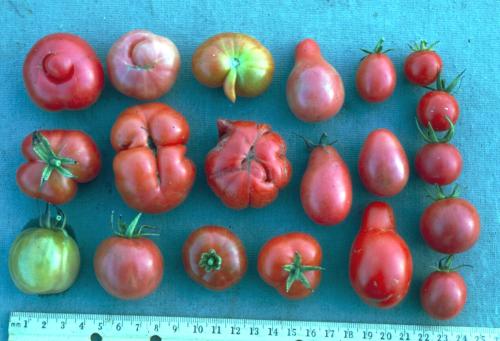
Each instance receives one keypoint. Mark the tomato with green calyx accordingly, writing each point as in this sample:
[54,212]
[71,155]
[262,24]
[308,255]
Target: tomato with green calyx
[45,259]
[423,65]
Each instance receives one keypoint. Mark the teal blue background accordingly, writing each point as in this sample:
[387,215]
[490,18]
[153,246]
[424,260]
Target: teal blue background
[468,31]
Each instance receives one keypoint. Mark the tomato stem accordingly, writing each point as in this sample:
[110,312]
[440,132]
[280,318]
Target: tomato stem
[429,134]
[323,141]
[441,84]
[444,264]
[440,195]
[56,223]
[379,48]
[210,261]
[423,46]
[132,230]
[296,272]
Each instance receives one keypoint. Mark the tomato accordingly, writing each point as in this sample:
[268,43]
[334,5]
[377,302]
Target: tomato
[248,166]
[237,62]
[380,264]
[326,188]
[376,75]
[57,160]
[214,257]
[314,90]
[450,224]
[129,266]
[383,165]
[443,293]
[291,264]
[152,172]
[423,65]
[143,65]
[62,71]
[44,259]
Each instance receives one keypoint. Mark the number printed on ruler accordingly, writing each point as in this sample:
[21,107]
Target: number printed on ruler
[69,327]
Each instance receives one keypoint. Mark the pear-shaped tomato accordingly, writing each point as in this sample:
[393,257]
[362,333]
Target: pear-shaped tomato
[383,165]
[326,188]
[314,90]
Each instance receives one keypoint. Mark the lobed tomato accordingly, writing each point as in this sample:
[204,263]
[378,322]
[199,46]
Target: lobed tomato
[423,65]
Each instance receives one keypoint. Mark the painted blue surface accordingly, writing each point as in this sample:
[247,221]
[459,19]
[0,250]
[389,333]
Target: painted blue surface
[468,32]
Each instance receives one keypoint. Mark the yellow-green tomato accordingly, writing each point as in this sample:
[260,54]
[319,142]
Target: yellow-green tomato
[44,261]
[237,62]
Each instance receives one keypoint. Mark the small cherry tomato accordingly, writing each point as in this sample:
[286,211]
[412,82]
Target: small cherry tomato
[62,71]
[380,264]
[423,65]
[143,65]
[129,266]
[376,75]
[214,257]
[291,263]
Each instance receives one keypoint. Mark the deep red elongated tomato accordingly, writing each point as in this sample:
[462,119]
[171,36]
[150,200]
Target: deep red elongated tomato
[315,91]
[326,188]
[423,65]
[380,264]
[383,165]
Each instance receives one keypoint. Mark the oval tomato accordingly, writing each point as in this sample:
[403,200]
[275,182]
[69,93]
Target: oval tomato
[57,161]
[291,264]
[423,65]
[214,257]
[152,172]
[326,188]
[383,165]
[143,65]
[248,166]
[62,71]
[380,263]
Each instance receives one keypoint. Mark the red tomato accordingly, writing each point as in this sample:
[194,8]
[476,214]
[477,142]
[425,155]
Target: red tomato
[291,264]
[383,165]
[248,166]
[315,91]
[57,160]
[152,172]
[129,266]
[143,65]
[326,188]
[62,71]
[380,265]
[376,76]
[423,65]
[214,257]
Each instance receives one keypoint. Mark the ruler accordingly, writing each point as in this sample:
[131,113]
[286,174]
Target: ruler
[26,326]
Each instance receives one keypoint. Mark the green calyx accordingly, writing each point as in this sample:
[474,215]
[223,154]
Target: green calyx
[429,134]
[41,147]
[297,271]
[440,195]
[422,46]
[444,265]
[132,230]
[441,83]
[210,261]
[323,142]
[379,48]
[56,223]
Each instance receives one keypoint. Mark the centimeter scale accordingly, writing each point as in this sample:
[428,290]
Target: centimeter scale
[24,326]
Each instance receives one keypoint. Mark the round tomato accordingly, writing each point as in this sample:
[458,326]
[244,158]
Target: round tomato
[326,188]
[57,161]
[314,90]
[214,257]
[44,259]
[376,75]
[152,171]
[62,71]
[423,65]
[237,62]
[129,266]
[143,65]
[291,263]
[380,264]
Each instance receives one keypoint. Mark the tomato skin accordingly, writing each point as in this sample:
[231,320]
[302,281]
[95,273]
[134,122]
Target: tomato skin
[383,164]
[423,67]
[438,163]
[433,108]
[314,90]
[450,225]
[443,294]
[143,65]
[326,187]
[62,71]
[147,182]
[59,189]
[380,263]
[248,166]
[376,78]
[280,251]
[128,268]
[226,245]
